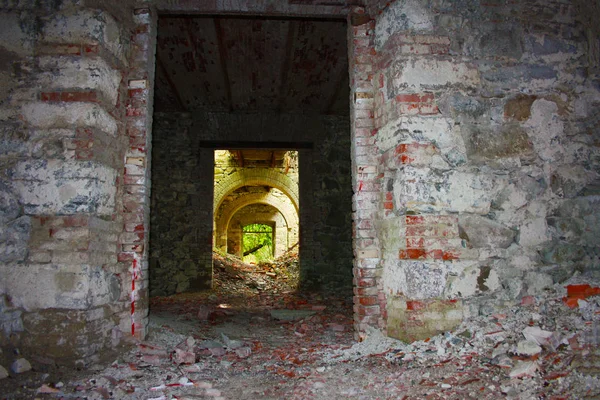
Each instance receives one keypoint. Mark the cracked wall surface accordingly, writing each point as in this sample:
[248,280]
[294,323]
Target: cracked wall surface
[485,134]
[473,172]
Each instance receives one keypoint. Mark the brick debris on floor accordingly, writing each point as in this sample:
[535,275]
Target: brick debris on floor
[248,340]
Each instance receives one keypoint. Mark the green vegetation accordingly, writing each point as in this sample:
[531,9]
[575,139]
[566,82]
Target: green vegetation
[257,243]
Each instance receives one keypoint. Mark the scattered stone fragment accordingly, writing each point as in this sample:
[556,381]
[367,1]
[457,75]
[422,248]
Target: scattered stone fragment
[542,337]
[20,365]
[204,312]
[217,351]
[523,368]
[3,372]
[243,352]
[291,315]
[184,357]
[528,348]
[231,344]
[47,389]
[502,360]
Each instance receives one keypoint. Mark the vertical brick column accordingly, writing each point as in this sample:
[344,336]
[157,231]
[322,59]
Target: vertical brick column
[368,296]
[133,240]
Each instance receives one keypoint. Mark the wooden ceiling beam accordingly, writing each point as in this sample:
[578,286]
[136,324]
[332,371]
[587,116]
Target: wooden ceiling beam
[223,60]
[287,61]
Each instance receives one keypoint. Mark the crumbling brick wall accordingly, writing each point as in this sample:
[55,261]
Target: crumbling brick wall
[479,161]
[64,84]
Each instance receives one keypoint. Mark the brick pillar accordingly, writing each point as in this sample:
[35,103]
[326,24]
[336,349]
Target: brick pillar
[369,303]
[133,240]
[67,186]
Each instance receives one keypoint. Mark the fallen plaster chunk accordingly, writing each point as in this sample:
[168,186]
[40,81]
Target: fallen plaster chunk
[528,348]
[523,368]
[542,337]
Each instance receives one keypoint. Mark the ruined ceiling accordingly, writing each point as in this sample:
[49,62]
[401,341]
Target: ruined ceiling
[236,64]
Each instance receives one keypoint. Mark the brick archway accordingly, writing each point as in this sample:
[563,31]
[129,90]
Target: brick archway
[289,214]
[256,177]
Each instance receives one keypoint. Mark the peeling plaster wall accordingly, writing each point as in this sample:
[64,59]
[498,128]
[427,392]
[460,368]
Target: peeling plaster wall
[63,292]
[486,141]
[182,196]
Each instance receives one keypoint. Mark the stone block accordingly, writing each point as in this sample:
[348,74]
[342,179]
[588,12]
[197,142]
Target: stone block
[9,205]
[80,74]
[570,180]
[68,336]
[17,34]
[64,187]
[14,239]
[420,74]
[533,232]
[416,279]
[442,132]
[536,282]
[411,320]
[473,280]
[404,15]
[483,232]
[87,26]
[519,107]
[66,115]
[425,191]
[485,144]
[75,286]
[502,41]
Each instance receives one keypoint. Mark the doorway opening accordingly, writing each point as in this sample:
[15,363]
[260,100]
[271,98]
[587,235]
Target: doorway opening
[242,105]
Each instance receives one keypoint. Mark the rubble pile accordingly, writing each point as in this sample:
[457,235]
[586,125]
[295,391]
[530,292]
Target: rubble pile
[232,275]
[297,345]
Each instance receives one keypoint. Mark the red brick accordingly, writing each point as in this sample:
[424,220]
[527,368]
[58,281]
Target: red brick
[366,282]
[415,220]
[415,305]
[388,205]
[412,254]
[89,96]
[368,300]
[125,257]
[408,98]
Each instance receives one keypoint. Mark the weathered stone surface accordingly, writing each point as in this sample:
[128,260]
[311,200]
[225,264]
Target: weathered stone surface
[88,332]
[20,365]
[9,206]
[404,15]
[3,372]
[17,33]
[75,286]
[490,143]
[483,232]
[81,74]
[429,74]
[519,108]
[64,187]
[14,239]
[66,115]
[93,26]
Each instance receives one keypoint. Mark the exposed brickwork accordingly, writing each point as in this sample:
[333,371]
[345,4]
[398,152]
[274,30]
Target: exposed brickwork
[366,181]
[133,241]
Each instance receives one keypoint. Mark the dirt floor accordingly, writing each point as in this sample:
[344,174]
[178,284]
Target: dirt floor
[257,338]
